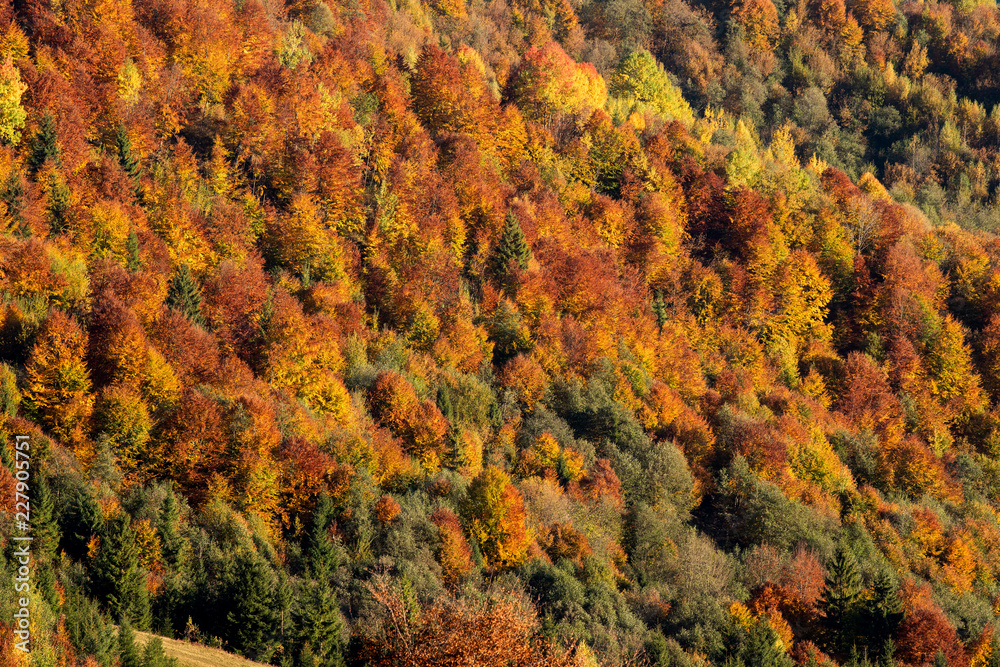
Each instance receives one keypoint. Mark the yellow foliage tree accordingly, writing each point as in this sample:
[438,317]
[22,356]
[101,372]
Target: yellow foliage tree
[495,517]
[12,114]
[57,394]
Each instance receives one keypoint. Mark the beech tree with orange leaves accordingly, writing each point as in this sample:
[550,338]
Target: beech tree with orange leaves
[58,391]
[495,518]
[501,630]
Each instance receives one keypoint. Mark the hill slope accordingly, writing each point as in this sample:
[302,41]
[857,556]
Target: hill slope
[517,332]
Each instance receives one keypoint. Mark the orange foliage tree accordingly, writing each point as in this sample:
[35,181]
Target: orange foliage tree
[57,394]
[501,631]
[495,517]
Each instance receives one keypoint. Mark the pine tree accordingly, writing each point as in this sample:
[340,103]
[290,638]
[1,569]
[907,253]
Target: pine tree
[859,659]
[132,246]
[153,655]
[45,145]
[318,641]
[45,530]
[320,551]
[251,619]
[128,652]
[512,247]
[174,551]
[86,628]
[117,577]
[284,596]
[185,296]
[319,626]
[85,521]
[170,537]
[58,205]
[884,611]
[660,310]
[126,157]
[841,600]
[760,648]
[13,195]
[887,658]
[445,404]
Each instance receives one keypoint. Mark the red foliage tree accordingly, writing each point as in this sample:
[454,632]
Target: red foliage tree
[453,553]
[865,397]
[233,304]
[925,631]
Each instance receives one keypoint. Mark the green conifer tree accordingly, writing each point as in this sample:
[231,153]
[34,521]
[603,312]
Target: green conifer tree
[175,549]
[45,530]
[126,157]
[84,521]
[760,648]
[660,310]
[512,247]
[153,655]
[887,658]
[168,526]
[319,627]
[13,195]
[118,580]
[86,628]
[284,596]
[318,622]
[132,246]
[45,145]
[445,404]
[251,619]
[859,658]
[58,205]
[883,611]
[185,295]
[321,554]
[841,600]
[128,652]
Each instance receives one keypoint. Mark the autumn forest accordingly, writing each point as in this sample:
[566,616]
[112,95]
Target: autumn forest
[509,333]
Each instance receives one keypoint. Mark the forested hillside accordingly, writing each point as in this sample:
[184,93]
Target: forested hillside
[502,332]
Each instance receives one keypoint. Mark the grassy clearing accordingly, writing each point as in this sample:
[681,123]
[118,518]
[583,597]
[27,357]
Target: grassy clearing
[196,655]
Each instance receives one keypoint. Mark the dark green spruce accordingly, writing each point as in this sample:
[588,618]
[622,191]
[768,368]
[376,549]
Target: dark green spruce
[58,205]
[185,295]
[511,250]
[318,641]
[841,601]
[126,156]
[132,246]
[45,145]
[117,578]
